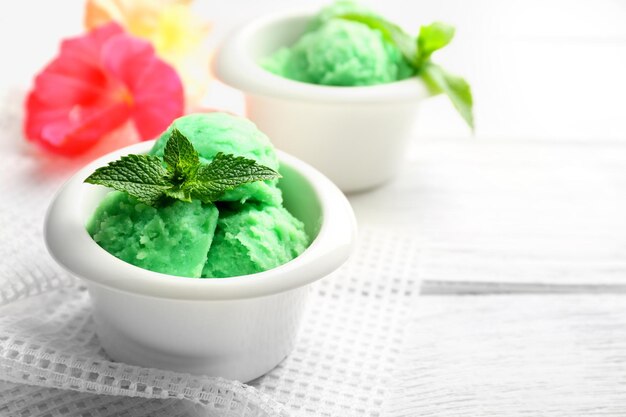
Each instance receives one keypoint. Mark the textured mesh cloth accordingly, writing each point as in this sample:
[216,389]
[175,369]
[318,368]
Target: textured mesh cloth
[51,362]
[342,364]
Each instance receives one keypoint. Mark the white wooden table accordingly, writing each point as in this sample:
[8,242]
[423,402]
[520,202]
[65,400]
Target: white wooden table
[510,221]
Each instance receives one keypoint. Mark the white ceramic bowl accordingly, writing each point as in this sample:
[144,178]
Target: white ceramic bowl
[354,135]
[236,328]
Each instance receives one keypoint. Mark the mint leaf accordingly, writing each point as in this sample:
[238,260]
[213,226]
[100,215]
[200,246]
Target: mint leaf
[182,193]
[418,52]
[182,162]
[391,33]
[141,176]
[180,156]
[433,37]
[226,172]
[184,177]
[455,87]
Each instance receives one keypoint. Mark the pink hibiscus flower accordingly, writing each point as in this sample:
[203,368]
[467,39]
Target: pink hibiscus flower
[97,83]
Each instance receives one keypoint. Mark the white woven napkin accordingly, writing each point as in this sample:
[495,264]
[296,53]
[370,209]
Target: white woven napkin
[341,366]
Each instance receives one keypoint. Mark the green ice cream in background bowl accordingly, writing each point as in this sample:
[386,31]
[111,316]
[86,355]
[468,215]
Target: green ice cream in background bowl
[198,251]
[346,44]
[340,87]
[340,53]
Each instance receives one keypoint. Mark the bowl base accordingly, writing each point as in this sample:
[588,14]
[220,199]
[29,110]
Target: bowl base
[123,349]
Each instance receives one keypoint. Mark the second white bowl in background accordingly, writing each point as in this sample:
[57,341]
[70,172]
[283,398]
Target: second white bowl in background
[355,135]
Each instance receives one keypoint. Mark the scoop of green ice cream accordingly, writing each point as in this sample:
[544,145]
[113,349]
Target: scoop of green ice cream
[252,238]
[211,133]
[173,239]
[341,53]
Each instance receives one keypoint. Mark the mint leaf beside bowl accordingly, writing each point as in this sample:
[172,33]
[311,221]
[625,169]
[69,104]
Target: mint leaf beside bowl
[418,53]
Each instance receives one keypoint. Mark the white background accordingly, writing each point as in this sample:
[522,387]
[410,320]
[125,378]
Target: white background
[541,70]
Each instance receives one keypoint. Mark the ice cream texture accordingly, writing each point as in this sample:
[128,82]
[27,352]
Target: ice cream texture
[249,231]
[254,238]
[173,240]
[339,52]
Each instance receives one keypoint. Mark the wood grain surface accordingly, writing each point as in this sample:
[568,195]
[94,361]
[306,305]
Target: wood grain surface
[521,355]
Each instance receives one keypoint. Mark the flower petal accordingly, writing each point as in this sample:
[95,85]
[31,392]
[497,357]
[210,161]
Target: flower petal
[159,99]
[75,90]
[88,47]
[75,75]
[99,12]
[124,57]
[171,26]
[156,90]
[70,130]
[98,82]
[96,122]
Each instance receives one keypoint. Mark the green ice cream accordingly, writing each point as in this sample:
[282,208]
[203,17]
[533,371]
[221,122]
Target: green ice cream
[339,52]
[173,239]
[254,238]
[247,231]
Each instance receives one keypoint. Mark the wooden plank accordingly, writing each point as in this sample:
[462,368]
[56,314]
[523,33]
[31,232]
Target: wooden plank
[521,212]
[513,356]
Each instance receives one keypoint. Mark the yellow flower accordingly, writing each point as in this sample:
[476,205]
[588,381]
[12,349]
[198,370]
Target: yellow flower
[170,25]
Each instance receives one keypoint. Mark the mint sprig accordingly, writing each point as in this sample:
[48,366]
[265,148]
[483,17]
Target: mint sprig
[456,88]
[226,172]
[418,51]
[432,38]
[142,176]
[183,177]
[180,156]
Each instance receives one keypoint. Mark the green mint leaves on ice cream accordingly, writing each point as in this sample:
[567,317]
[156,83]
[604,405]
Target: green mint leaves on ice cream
[183,177]
[349,45]
[191,208]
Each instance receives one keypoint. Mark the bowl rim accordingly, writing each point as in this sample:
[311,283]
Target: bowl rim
[71,246]
[234,66]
